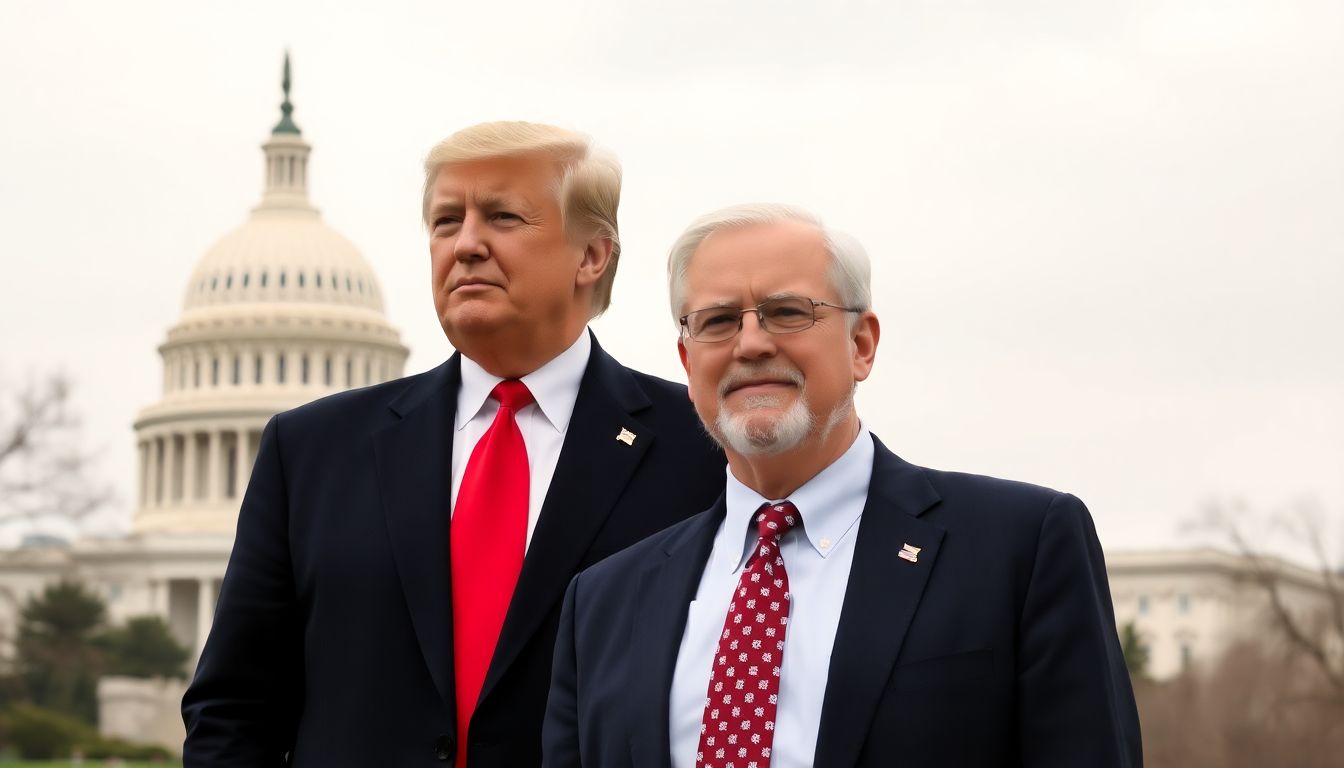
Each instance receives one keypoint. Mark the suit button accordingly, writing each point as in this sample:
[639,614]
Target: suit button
[444,748]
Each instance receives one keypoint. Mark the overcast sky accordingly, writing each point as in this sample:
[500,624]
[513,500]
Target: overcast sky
[1108,238]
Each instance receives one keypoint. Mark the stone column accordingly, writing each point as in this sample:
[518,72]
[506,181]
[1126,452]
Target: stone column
[142,454]
[241,469]
[214,490]
[158,598]
[169,467]
[152,494]
[205,612]
[189,471]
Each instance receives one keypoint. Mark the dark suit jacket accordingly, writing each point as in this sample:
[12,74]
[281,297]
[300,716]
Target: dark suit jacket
[333,633]
[997,648]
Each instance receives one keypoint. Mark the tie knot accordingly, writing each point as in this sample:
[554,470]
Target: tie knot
[512,394]
[774,520]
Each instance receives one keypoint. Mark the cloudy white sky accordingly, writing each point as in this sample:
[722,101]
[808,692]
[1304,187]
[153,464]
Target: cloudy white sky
[1108,238]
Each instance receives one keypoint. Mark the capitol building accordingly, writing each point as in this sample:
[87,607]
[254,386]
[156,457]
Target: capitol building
[280,311]
[283,310]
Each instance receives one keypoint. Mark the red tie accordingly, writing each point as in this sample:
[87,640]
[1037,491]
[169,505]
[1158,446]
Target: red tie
[739,723]
[488,537]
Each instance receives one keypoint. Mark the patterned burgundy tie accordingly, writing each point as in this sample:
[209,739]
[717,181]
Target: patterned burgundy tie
[488,535]
[739,723]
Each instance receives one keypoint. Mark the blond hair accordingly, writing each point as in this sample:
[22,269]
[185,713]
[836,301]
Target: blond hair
[588,186]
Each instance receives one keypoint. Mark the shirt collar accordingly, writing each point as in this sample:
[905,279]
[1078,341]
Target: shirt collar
[554,386]
[830,503]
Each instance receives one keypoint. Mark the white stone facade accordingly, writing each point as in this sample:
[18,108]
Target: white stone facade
[279,312]
[1190,605]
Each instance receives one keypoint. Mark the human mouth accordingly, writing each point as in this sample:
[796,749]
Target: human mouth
[752,383]
[472,285]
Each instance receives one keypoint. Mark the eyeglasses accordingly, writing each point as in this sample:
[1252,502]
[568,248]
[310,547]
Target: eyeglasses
[784,314]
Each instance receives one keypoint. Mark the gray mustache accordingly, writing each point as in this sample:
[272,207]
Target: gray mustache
[751,372]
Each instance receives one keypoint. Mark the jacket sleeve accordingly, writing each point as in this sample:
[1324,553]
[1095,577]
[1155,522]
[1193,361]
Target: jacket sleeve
[1075,705]
[560,729]
[241,708]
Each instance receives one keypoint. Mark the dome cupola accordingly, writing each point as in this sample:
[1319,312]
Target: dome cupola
[279,311]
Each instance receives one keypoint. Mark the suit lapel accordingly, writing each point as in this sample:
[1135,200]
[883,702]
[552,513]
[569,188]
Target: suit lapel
[414,464]
[665,590]
[880,600]
[593,469]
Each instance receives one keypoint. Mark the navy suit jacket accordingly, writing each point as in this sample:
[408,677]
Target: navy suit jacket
[997,647]
[332,641]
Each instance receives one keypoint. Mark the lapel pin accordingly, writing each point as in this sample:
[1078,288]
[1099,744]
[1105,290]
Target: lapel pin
[627,437]
[909,553]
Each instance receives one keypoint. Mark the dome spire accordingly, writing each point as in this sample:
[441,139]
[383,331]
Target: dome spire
[286,160]
[286,124]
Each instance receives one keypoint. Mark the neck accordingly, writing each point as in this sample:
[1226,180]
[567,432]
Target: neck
[776,476]
[510,354]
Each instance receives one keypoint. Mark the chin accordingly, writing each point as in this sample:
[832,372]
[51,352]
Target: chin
[760,434]
[472,319]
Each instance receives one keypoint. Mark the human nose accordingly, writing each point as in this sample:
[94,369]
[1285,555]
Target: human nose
[470,242]
[753,341]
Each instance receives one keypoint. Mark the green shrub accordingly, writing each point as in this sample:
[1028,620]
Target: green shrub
[101,748]
[42,734]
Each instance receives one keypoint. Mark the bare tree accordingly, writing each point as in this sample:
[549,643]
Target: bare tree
[1316,634]
[45,471]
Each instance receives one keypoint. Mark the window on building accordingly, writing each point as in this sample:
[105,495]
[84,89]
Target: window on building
[349,373]
[196,373]
[228,281]
[1187,656]
[300,279]
[282,279]
[326,371]
[317,279]
[246,275]
[303,369]
[263,279]
[1183,603]
[237,370]
[256,371]
[1143,605]
[280,368]
[368,372]
[214,371]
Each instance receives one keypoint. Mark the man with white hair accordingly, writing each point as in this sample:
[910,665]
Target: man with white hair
[356,624]
[837,606]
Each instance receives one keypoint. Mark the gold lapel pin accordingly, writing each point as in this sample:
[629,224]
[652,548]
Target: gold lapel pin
[627,437]
[909,553]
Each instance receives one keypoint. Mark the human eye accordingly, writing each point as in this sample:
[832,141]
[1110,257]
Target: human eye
[714,320]
[788,313]
[446,224]
[786,309]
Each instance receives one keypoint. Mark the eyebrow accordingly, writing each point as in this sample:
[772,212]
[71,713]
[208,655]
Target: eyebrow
[735,304]
[487,201]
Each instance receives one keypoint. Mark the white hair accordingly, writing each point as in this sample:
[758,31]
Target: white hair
[849,272]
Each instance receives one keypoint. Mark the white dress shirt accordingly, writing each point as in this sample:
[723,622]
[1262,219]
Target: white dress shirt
[554,388]
[817,559]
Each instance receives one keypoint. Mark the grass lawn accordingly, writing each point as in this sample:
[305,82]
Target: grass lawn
[85,764]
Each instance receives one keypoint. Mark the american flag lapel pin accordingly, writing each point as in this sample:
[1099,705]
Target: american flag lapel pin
[909,553]
[626,436]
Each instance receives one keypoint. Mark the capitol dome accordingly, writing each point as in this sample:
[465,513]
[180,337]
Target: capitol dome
[284,255]
[278,312]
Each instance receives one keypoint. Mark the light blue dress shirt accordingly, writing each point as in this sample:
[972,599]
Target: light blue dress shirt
[817,559]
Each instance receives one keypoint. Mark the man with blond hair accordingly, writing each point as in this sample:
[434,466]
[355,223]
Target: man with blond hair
[837,606]
[402,550]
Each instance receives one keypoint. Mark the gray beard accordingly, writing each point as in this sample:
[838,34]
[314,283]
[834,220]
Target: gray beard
[734,431]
